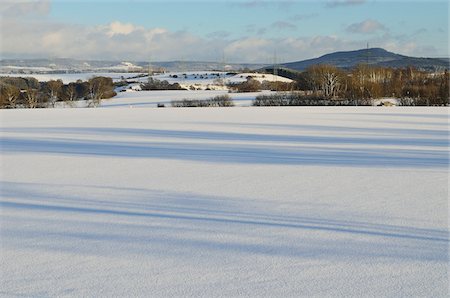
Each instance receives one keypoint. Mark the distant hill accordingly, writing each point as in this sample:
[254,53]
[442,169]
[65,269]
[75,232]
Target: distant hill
[60,65]
[373,56]
[347,59]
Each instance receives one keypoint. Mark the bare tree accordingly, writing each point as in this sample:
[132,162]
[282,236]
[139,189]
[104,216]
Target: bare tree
[332,83]
[100,88]
[32,99]
[54,91]
[326,79]
[70,94]
[10,95]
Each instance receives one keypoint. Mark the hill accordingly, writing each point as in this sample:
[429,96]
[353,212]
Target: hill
[62,65]
[372,56]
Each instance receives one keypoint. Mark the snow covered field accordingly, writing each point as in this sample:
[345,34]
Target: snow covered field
[205,78]
[186,79]
[260,202]
[141,99]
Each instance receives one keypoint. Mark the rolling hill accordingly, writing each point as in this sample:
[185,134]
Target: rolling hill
[66,65]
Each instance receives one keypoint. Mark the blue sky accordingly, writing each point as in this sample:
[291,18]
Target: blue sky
[240,31]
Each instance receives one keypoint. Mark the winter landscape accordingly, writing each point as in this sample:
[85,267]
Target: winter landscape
[321,174]
[228,202]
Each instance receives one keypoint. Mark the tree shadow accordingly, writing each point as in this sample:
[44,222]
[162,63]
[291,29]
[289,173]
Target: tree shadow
[142,222]
[228,147]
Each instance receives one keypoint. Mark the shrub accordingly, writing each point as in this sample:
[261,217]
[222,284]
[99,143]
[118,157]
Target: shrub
[217,101]
[154,84]
[251,85]
[295,99]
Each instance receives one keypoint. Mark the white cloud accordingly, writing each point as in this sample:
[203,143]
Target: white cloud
[52,39]
[126,41]
[254,49]
[366,27]
[410,48]
[120,28]
[12,8]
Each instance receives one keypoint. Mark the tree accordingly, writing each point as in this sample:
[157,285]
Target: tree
[69,94]
[32,97]
[82,89]
[250,85]
[100,88]
[444,92]
[3,102]
[326,79]
[154,84]
[10,94]
[54,89]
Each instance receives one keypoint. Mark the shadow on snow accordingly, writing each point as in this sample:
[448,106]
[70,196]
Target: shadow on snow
[229,147]
[140,220]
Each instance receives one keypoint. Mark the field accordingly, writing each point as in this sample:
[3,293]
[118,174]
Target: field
[244,201]
[141,99]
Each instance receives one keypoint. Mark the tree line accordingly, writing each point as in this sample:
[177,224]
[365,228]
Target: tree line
[362,83]
[16,92]
[365,82]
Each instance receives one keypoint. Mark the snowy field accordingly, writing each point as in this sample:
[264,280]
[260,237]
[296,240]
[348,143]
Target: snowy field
[200,78]
[209,77]
[259,202]
[139,99]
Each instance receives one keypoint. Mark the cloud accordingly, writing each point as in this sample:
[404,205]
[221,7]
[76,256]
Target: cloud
[218,34]
[282,25]
[24,7]
[104,42]
[130,42]
[126,41]
[278,26]
[340,3]
[420,31]
[410,48]
[120,28]
[301,17]
[366,27]
[261,31]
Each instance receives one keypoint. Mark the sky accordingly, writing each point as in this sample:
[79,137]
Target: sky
[240,31]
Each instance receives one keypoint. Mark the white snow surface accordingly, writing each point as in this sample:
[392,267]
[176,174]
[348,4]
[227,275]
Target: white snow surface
[139,99]
[224,202]
[261,77]
[213,79]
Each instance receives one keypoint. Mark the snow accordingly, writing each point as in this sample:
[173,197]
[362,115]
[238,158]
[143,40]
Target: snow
[9,68]
[152,98]
[209,79]
[261,77]
[123,66]
[209,202]
[200,79]
[386,100]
